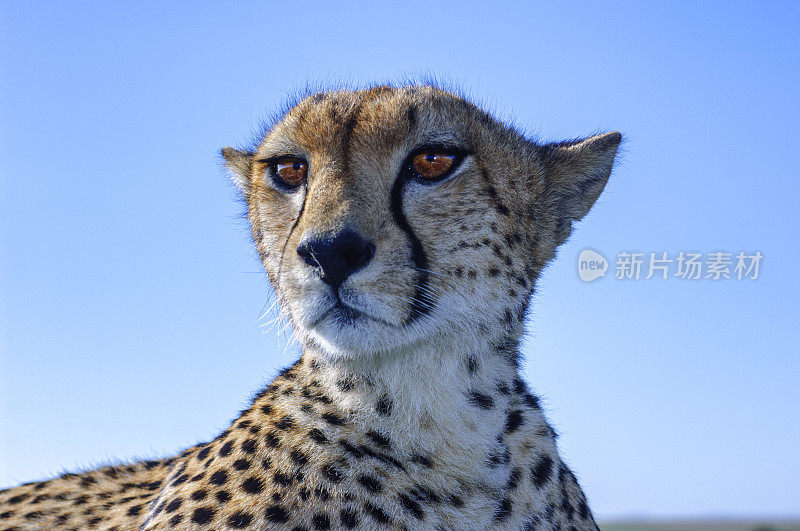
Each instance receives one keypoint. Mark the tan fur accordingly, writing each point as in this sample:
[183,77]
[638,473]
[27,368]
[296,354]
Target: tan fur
[402,417]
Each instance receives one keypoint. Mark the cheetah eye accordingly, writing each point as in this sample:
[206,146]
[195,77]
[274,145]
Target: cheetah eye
[291,171]
[434,164]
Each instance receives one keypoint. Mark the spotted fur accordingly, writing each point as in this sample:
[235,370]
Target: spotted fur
[406,409]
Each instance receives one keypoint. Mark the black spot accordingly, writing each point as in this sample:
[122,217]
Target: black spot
[332,473]
[180,480]
[333,419]
[583,510]
[352,450]
[531,401]
[80,500]
[346,384]
[411,115]
[298,457]
[480,400]
[286,423]
[202,515]
[424,494]
[376,513]
[412,506]
[514,420]
[223,496]
[266,463]
[241,464]
[266,409]
[421,460]
[381,457]
[317,436]
[226,449]
[282,479]
[288,372]
[532,524]
[513,479]
[384,405]
[252,485]
[379,440]
[249,446]
[455,501]
[277,514]
[175,520]
[272,439]
[17,499]
[219,477]
[173,505]
[503,511]
[472,364]
[349,518]
[370,483]
[321,521]
[240,519]
[542,470]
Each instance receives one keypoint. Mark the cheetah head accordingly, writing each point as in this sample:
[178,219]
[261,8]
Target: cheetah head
[390,216]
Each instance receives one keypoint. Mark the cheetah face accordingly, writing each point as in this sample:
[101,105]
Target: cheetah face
[394,215]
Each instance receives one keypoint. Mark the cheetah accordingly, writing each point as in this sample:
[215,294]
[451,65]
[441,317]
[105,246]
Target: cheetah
[402,229]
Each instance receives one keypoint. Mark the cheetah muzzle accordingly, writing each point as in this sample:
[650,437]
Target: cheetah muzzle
[403,230]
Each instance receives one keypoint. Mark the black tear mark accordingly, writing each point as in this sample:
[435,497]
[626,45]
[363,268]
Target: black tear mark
[421,304]
[289,237]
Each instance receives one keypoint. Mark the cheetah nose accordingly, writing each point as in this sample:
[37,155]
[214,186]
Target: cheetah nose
[336,256]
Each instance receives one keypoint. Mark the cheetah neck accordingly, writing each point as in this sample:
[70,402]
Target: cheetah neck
[450,394]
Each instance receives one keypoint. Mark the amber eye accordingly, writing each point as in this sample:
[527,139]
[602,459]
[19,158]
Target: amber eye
[291,171]
[433,165]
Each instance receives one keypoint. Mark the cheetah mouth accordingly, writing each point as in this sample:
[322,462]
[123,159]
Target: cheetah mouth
[345,315]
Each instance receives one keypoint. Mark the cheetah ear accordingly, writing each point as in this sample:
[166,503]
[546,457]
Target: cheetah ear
[576,173]
[240,163]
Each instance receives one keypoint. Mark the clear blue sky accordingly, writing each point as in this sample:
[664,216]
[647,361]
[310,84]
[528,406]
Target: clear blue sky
[129,293]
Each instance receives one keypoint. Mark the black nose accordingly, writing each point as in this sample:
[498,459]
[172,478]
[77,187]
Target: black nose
[337,256]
